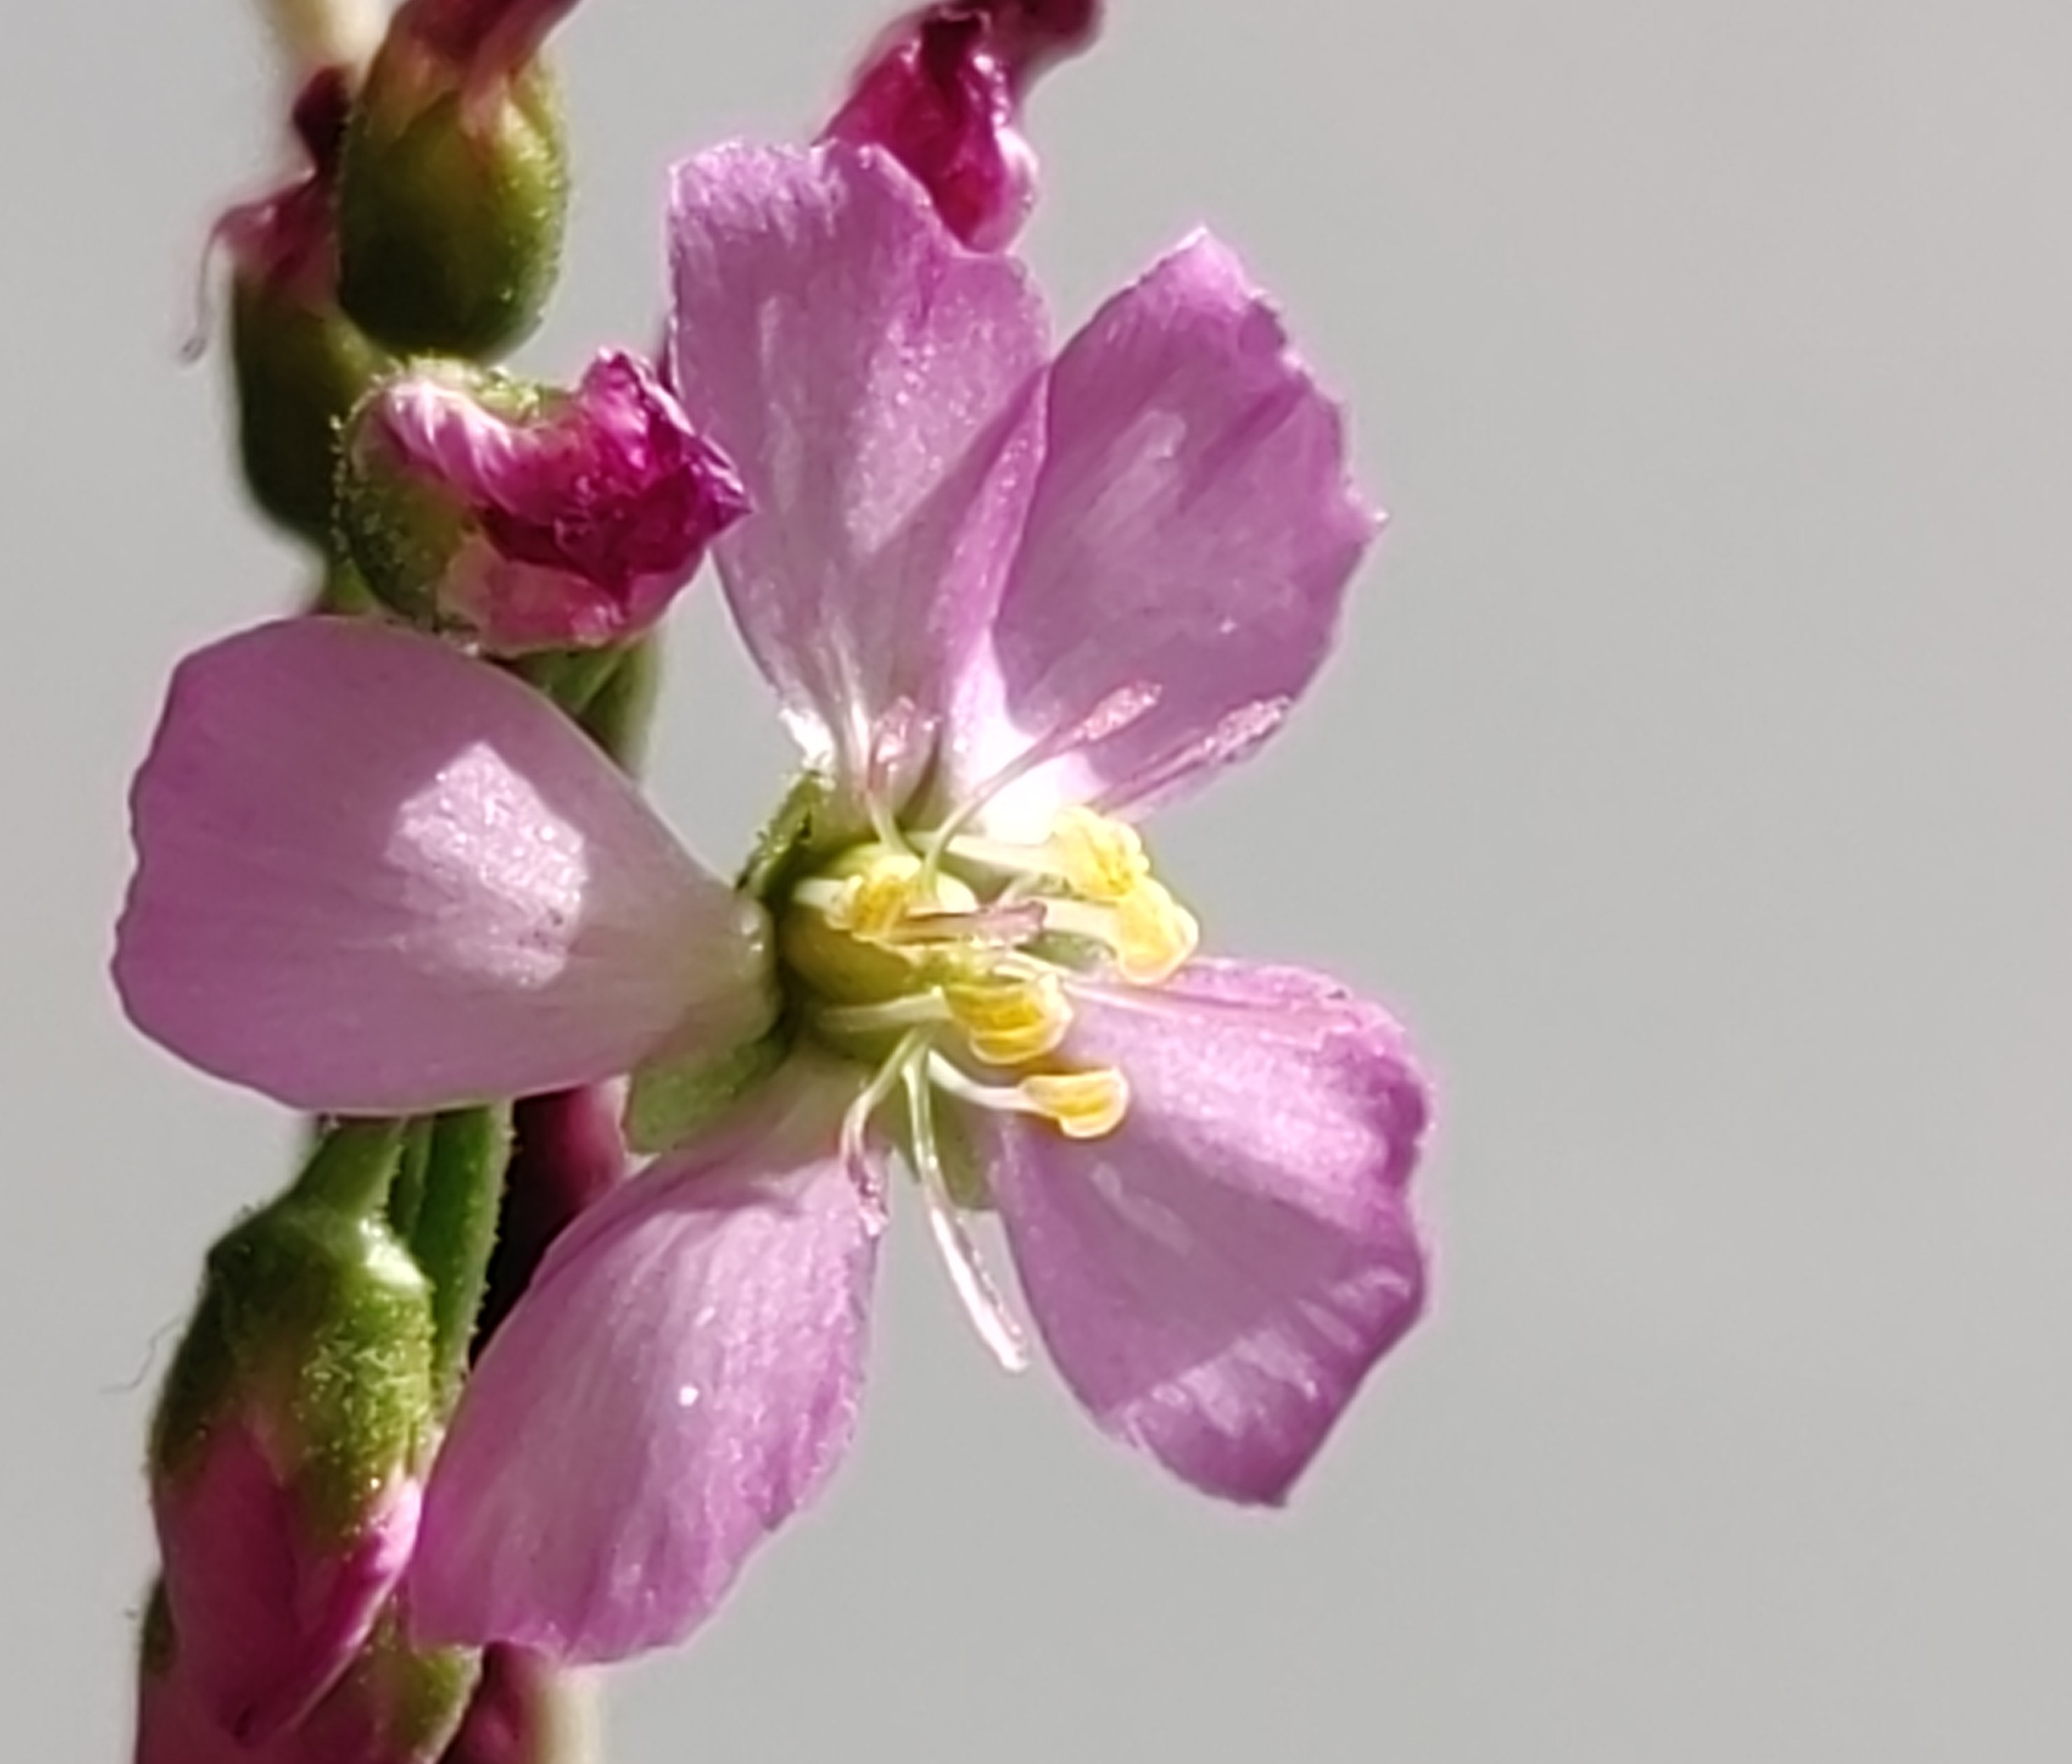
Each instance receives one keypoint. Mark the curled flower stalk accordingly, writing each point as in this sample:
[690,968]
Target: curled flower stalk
[1010,602]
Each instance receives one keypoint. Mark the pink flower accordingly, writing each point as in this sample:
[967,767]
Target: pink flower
[941,91]
[1009,603]
[548,520]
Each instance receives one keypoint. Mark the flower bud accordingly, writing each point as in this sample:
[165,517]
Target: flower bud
[284,1454]
[299,364]
[452,192]
[529,518]
[941,91]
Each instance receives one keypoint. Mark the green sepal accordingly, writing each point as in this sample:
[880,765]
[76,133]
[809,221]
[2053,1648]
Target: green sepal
[451,208]
[418,1695]
[619,715]
[669,1100]
[316,1326]
[298,369]
[399,529]
[790,838]
[454,1230]
[343,592]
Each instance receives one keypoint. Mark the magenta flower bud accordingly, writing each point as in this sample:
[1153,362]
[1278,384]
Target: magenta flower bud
[286,1450]
[528,518]
[935,96]
[942,91]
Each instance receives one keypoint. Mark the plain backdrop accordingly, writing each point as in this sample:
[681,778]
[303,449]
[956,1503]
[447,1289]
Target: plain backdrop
[1696,778]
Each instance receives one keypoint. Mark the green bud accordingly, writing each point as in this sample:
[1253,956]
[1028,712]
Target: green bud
[300,367]
[452,199]
[315,1325]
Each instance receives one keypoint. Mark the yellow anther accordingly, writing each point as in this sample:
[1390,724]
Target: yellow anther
[1082,1105]
[1154,934]
[1007,1023]
[1100,859]
[873,903]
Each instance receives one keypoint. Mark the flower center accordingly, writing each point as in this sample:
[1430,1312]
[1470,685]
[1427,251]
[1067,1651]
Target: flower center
[961,950]
[946,960]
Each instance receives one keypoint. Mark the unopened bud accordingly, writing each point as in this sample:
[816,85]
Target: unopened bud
[942,91]
[285,1450]
[454,191]
[299,364]
[528,518]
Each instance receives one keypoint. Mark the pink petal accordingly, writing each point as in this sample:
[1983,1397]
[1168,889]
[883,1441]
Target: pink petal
[680,1379]
[869,379]
[1194,528]
[375,877]
[1215,1277]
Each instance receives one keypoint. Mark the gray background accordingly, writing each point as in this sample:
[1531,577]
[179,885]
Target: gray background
[1694,779]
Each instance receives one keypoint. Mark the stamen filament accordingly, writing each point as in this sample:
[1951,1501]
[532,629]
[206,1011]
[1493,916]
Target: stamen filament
[1113,714]
[1151,933]
[1001,1098]
[868,1181]
[1001,925]
[908,1012]
[981,1299]
[898,734]
[1088,1104]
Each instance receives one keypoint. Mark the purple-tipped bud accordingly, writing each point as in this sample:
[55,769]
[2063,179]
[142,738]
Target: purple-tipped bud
[528,518]
[286,1450]
[452,193]
[941,91]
